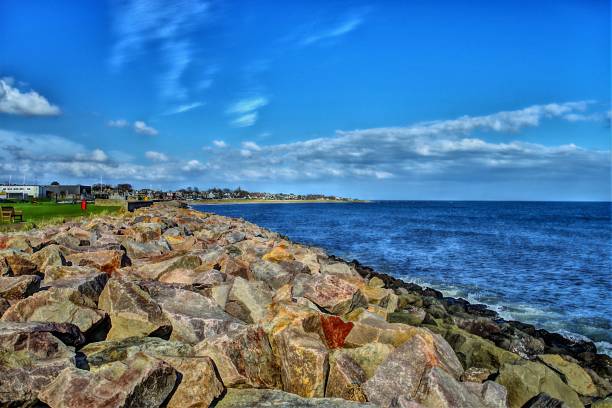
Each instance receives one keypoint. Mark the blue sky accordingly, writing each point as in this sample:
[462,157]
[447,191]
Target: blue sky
[388,99]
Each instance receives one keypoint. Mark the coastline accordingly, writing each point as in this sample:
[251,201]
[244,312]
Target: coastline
[236,201]
[237,293]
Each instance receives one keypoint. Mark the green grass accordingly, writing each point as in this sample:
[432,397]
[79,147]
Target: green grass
[50,212]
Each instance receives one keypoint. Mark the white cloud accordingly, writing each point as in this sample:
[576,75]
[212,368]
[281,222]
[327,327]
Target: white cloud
[164,27]
[443,153]
[15,102]
[156,156]
[119,123]
[143,128]
[245,120]
[248,105]
[245,111]
[336,29]
[251,146]
[183,108]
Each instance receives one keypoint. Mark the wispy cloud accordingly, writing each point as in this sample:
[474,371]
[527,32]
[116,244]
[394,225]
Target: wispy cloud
[340,28]
[164,27]
[118,123]
[183,108]
[219,143]
[156,156]
[245,111]
[138,126]
[13,101]
[143,128]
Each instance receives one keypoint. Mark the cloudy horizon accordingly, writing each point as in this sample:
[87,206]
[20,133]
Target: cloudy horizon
[200,93]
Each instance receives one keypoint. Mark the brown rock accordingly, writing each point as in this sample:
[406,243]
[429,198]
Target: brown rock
[19,263]
[345,378]
[57,305]
[105,260]
[47,257]
[199,385]
[132,311]
[143,382]
[303,361]
[18,287]
[243,357]
[333,294]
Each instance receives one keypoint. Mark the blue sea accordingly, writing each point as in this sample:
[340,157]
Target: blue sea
[545,263]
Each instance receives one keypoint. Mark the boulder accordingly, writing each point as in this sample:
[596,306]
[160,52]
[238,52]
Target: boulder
[17,331]
[334,330]
[333,294]
[193,317]
[439,389]
[526,379]
[410,315]
[58,305]
[248,398]
[491,394]
[243,358]
[345,378]
[199,385]
[105,352]
[89,285]
[139,250]
[371,329]
[407,367]
[104,260]
[474,351]
[18,287]
[571,373]
[153,271]
[368,356]
[278,254]
[143,382]
[545,401]
[132,311]
[249,300]
[18,263]
[303,361]
[48,256]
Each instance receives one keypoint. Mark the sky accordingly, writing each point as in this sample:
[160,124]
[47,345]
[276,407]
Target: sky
[446,100]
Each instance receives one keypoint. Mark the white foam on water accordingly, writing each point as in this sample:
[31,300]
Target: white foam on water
[518,312]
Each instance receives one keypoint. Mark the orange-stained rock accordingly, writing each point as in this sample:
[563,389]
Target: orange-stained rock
[104,260]
[335,330]
[278,254]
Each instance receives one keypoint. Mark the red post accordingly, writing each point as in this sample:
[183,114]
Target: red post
[83,205]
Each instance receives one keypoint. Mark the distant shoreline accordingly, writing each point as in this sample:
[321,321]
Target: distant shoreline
[247,201]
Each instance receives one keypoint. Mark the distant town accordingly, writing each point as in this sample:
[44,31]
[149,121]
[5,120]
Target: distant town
[123,191]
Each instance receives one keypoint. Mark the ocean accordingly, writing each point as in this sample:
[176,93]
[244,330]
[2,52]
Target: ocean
[545,263]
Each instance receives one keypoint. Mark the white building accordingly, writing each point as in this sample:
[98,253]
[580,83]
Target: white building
[13,191]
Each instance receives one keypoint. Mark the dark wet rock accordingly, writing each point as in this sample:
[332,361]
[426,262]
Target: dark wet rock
[544,401]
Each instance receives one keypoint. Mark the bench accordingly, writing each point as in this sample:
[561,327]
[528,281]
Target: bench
[9,214]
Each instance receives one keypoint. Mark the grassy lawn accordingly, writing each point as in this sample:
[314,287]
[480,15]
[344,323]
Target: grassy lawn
[45,212]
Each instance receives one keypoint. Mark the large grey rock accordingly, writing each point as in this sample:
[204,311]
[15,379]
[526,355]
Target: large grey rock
[249,300]
[193,317]
[406,368]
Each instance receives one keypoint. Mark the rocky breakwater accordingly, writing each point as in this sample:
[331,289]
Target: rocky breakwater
[173,307]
